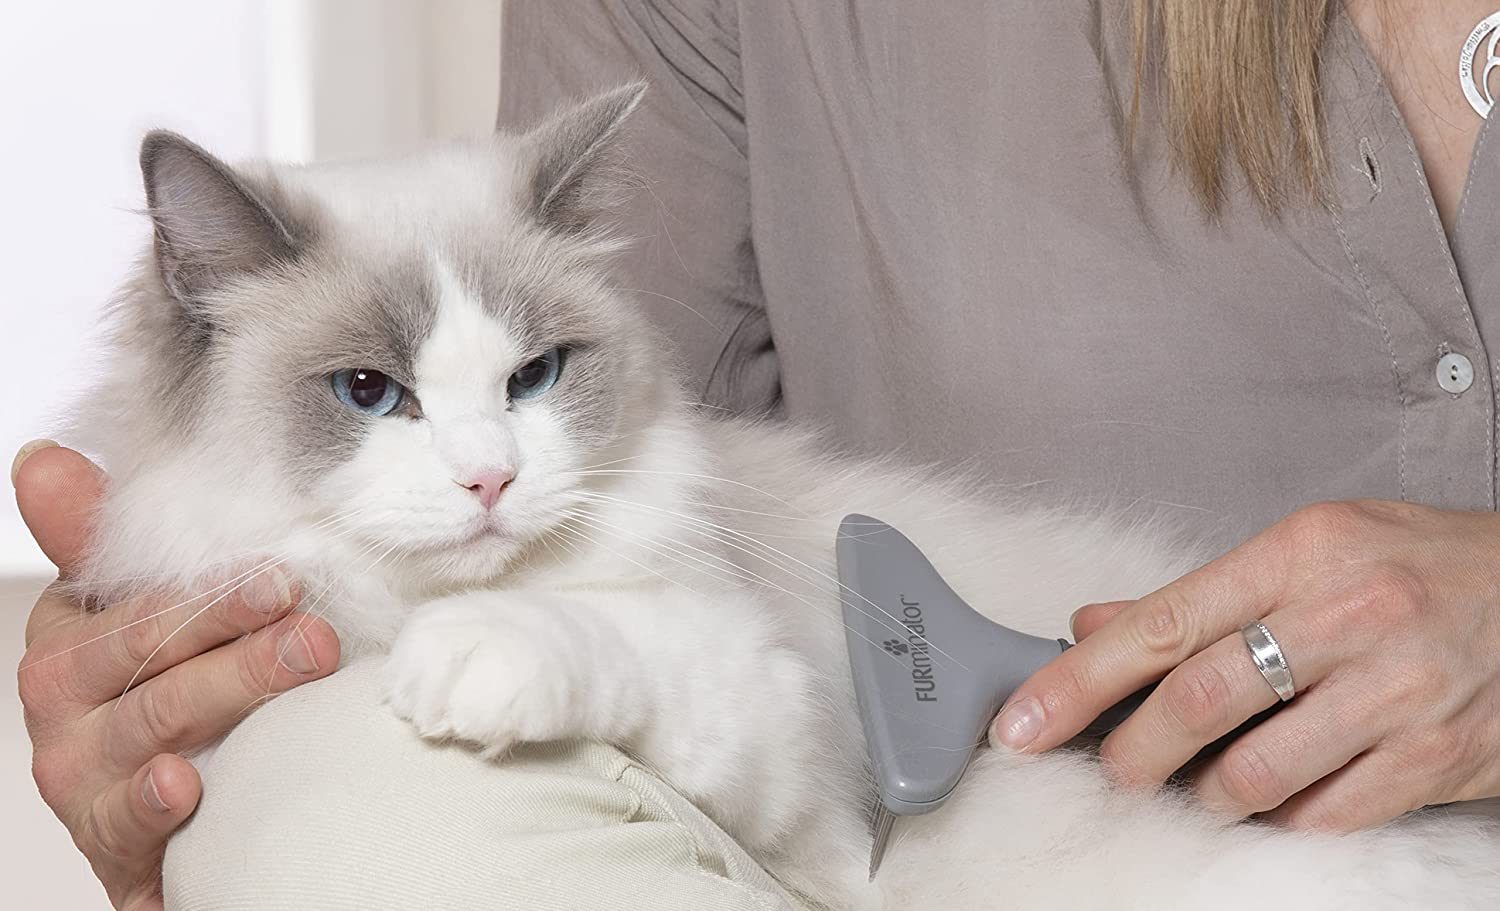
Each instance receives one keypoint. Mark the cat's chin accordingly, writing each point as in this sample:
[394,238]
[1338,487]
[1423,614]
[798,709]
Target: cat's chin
[475,557]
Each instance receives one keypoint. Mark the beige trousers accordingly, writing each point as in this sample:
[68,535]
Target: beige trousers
[324,800]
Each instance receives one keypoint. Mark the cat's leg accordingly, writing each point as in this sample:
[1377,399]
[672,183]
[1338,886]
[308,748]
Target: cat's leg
[701,688]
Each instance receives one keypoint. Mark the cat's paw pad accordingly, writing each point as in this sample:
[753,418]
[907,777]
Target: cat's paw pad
[459,671]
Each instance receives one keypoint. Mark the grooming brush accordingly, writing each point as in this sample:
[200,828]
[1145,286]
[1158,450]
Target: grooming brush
[930,672]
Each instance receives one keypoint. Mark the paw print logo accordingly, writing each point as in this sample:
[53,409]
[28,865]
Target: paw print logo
[895,646]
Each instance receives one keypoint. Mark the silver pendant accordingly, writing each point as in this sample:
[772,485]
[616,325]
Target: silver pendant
[1478,91]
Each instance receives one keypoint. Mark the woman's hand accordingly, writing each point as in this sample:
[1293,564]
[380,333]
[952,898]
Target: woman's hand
[1389,617]
[109,767]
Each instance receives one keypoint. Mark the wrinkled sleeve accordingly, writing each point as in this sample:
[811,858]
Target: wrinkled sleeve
[692,268]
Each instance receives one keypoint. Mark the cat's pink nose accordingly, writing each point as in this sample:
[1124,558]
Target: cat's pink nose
[488,484]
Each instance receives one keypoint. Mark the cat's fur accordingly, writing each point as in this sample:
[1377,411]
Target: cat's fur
[652,577]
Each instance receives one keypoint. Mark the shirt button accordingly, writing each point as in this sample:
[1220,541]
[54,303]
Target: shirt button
[1455,373]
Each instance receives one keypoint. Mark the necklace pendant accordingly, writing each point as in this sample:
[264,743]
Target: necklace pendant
[1477,91]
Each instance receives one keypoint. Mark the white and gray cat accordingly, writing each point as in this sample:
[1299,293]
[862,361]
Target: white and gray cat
[411,384]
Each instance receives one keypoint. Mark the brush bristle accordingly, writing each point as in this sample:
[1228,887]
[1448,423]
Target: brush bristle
[884,819]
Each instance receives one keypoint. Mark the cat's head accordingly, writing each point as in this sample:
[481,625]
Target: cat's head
[407,360]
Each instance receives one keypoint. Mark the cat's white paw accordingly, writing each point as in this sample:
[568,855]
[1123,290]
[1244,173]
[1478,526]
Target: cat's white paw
[462,669]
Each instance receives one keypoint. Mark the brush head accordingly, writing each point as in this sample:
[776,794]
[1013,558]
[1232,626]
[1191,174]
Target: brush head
[929,671]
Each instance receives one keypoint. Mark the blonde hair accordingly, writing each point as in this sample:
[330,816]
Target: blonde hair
[1238,82]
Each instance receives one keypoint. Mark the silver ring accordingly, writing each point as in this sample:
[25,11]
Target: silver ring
[1269,660]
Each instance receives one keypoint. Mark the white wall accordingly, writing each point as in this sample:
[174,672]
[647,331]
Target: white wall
[77,90]
[377,77]
[79,84]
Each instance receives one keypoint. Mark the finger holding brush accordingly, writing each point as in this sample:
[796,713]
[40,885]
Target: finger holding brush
[1376,619]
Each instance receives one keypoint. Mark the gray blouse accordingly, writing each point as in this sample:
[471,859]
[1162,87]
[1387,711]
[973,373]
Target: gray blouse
[913,224]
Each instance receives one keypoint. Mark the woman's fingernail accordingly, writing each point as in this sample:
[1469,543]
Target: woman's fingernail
[1018,725]
[24,453]
[294,653]
[151,794]
[268,590]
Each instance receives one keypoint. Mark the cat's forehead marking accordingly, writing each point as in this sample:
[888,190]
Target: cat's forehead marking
[463,363]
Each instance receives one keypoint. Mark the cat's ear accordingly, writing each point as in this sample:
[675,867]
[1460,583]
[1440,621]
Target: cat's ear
[571,178]
[211,227]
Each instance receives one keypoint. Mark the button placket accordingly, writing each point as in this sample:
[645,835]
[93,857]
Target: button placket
[1403,263]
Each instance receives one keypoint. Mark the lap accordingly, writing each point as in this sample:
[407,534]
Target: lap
[323,799]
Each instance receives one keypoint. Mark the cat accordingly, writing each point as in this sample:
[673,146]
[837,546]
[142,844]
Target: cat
[411,384]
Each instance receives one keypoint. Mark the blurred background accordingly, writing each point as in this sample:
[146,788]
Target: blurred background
[80,82]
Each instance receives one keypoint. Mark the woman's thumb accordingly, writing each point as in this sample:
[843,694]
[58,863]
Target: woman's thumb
[57,490]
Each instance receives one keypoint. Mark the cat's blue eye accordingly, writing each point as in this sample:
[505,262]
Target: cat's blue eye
[367,391]
[536,376]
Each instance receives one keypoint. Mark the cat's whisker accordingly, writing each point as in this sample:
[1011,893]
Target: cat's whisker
[547,540]
[147,618]
[805,600]
[666,298]
[342,521]
[739,571]
[340,516]
[230,559]
[658,548]
[195,615]
[766,515]
[606,464]
[120,580]
[237,582]
[316,599]
[566,537]
[735,571]
[820,604]
[319,613]
[595,494]
[586,538]
[687,474]
[562,540]
[723,540]
[614,445]
[885,617]
[320,605]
